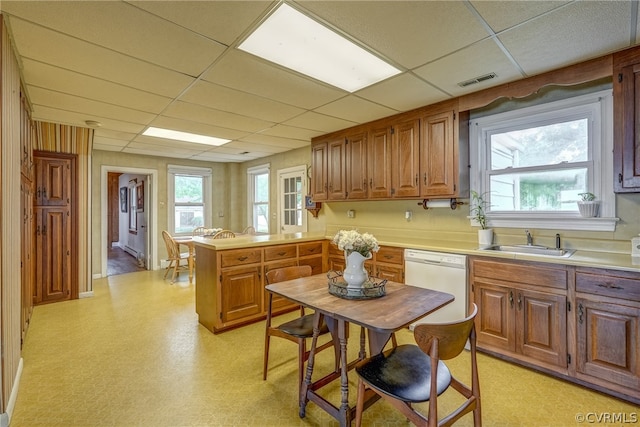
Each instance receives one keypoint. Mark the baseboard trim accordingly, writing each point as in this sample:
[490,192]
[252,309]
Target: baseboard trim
[5,418]
[87,294]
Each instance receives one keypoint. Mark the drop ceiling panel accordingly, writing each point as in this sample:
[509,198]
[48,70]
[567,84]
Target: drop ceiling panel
[235,101]
[198,128]
[356,109]
[500,17]
[58,79]
[114,144]
[157,153]
[53,115]
[126,29]
[82,106]
[97,145]
[319,122]
[114,134]
[221,157]
[482,58]
[70,53]
[404,92]
[411,33]
[210,116]
[253,147]
[291,132]
[231,17]
[275,141]
[250,74]
[166,145]
[571,35]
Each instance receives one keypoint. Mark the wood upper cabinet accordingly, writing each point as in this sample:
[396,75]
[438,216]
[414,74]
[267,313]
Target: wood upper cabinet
[336,170]
[53,181]
[356,166]
[608,329]
[319,180]
[379,163]
[626,112]
[438,155]
[405,158]
[522,310]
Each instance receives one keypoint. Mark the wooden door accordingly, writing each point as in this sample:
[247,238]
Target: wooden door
[242,293]
[113,208]
[379,163]
[27,256]
[438,160]
[405,143]
[356,166]
[495,321]
[53,255]
[542,326]
[608,342]
[336,169]
[319,181]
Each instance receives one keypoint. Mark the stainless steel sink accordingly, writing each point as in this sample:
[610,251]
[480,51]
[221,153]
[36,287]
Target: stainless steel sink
[531,250]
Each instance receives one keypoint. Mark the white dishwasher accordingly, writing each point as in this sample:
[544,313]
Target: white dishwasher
[441,272]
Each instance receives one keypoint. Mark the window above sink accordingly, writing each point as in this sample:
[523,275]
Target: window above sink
[532,163]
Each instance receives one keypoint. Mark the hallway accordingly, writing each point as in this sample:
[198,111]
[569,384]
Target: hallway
[120,262]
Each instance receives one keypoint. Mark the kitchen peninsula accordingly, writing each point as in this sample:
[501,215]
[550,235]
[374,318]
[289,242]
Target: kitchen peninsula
[562,320]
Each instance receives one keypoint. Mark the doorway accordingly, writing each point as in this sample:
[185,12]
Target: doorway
[128,215]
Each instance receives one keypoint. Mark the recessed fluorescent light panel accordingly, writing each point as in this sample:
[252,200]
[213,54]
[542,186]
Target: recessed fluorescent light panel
[293,40]
[184,136]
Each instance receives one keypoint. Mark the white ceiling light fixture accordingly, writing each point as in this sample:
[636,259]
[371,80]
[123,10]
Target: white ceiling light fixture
[184,136]
[293,40]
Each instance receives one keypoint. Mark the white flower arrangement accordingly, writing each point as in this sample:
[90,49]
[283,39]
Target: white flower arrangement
[352,241]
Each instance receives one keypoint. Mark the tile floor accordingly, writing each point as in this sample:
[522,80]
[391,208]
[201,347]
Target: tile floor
[135,355]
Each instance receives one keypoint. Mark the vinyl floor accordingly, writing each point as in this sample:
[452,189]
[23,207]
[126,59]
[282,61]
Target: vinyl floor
[134,354]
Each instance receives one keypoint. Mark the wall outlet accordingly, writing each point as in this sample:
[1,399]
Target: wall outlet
[407,215]
[351,213]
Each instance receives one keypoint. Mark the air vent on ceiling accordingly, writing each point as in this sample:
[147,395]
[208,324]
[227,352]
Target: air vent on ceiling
[477,80]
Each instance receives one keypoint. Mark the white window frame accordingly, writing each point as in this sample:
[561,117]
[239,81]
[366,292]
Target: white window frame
[251,174]
[296,170]
[600,106]
[205,173]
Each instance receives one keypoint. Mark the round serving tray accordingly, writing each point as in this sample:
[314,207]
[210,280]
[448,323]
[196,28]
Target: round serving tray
[372,288]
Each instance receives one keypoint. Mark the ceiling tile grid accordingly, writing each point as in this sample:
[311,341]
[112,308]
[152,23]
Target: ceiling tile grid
[134,64]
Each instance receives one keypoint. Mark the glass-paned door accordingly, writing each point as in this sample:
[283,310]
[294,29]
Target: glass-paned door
[291,195]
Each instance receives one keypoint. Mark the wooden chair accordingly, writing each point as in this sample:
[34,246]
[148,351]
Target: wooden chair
[249,230]
[198,231]
[410,374]
[297,330]
[223,234]
[174,256]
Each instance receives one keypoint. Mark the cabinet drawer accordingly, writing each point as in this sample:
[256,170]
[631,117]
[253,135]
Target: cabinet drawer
[608,285]
[274,253]
[312,248]
[547,275]
[390,255]
[333,250]
[240,257]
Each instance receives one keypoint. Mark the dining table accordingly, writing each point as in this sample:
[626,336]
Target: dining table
[191,259]
[397,308]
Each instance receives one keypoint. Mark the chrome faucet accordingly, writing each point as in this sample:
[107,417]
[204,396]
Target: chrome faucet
[529,238]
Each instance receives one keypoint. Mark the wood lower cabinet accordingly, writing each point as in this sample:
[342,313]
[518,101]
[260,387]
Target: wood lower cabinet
[230,284]
[608,329]
[389,264]
[522,310]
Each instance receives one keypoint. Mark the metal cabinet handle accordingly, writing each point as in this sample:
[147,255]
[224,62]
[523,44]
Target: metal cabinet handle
[425,178]
[242,258]
[609,286]
[519,301]
[511,298]
[580,313]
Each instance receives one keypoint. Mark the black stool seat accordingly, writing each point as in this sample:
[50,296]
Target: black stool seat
[302,327]
[404,372]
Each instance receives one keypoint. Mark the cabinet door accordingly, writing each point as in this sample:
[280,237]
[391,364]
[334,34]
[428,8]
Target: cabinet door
[438,159]
[379,163]
[405,143]
[53,182]
[336,169]
[319,182]
[608,343]
[241,293]
[626,97]
[542,329]
[53,255]
[356,166]
[495,321]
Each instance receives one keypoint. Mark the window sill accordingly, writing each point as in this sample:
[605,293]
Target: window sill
[540,220]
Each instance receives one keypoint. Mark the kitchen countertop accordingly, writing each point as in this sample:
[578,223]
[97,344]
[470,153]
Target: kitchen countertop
[609,260]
